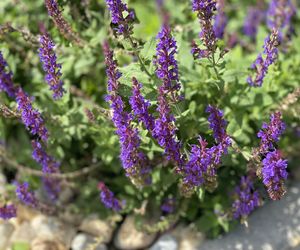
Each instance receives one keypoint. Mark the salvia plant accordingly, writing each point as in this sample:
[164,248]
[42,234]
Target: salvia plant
[186,114]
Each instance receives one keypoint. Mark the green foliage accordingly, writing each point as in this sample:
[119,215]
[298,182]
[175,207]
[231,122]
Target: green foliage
[77,143]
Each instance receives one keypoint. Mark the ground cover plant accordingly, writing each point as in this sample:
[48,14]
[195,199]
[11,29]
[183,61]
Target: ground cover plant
[175,114]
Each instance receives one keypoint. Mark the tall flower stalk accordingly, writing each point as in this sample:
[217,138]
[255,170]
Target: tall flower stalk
[220,20]
[6,83]
[51,67]
[134,161]
[108,198]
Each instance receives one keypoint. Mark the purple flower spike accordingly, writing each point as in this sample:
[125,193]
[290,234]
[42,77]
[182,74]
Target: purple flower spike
[274,173]
[168,206]
[254,17]
[220,20]
[50,66]
[123,24]
[271,133]
[261,65]
[165,131]
[49,166]
[246,199]
[166,64]
[24,195]
[140,106]
[205,11]
[8,211]
[6,83]
[218,124]
[31,117]
[108,198]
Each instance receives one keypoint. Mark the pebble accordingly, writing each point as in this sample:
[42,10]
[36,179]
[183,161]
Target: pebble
[166,242]
[41,243]
[129,238]
[6,230]
[82,241]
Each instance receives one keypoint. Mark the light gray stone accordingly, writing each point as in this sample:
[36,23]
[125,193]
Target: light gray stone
[41,243]
[6,230]
[166,242]
[83,241]
[275,226]
[130,238]
[24,233]
[96,227]
[53,229]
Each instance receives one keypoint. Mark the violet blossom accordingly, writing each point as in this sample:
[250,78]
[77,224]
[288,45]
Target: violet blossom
[6,83]
[25,195]
[108,198]
[8,211]
[50,66]
[254,17]
[274,173]
[246,199]
[31,117]
[220,20]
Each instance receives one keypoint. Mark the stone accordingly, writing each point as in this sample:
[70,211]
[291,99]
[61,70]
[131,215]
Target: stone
[188,237]
[130,238]
[53,229]
[83,241]
[166,242]
[41,243]
[274,226]
[97,227]
[24,233]
[6,230]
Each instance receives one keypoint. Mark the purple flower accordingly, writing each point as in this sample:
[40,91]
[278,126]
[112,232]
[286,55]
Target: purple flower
[113,74]
[108,198]
[218,124]
[49,166]
[140,106]
[133,159]
[165,130]
[122,24]
[166,64]
[168,205]
[53,8]
[205,12]
[8,211]
[24,195]
[254,17]
[274,173]
[246,199]
[6,83]
[50,66]
[31,117]
[280,13]
[271,132]
[220,20]
[261,65]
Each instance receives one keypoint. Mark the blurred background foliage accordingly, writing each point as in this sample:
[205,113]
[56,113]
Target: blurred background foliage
[77,143]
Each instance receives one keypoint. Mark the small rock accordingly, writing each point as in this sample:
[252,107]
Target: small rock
[23,234]
[166,242]
[129,238]
[41,243]
[83,241]
[188,237]
[96,227]
[6,230]
[53,229]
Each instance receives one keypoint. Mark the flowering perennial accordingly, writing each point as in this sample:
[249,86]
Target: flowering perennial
[274,173]
[31,117]
[24,195]
[134,161]
[220,20]
[108,198]
[166,64]
[122,24]
[205,12]
[270,133]
[49,166]
[254,17]
[261,65]
[6,83]
[8,211]
[245,199]
[50,66]
[140,106]
[280,13]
